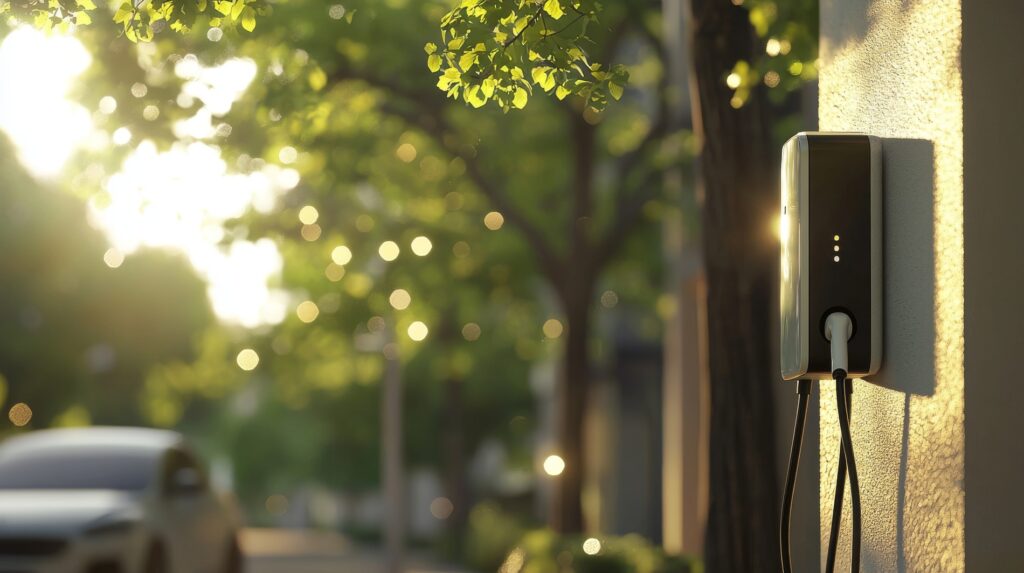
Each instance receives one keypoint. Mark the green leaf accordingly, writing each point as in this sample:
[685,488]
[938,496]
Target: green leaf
[124,13]
[475,97]
[467,60]
[616,90]
[554,9]
[434,62]
[520,99]
[487,87]
[249,19]
[456,43]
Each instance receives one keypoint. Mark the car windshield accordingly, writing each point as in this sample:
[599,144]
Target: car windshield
[90,468]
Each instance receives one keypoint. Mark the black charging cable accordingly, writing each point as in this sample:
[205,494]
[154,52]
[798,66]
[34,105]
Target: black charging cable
[804,392]
[837,502]
[851,468]
[838,330]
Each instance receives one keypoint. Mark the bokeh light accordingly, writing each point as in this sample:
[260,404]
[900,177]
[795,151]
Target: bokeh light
[471,331]
[276,504]
[287,155]
[121,136]
[609,299]
[334,272]
[406,152]
[113,258]
[494,220]
[441,508]
[418,331]
[554,465]
[311,232]
[20,414]
[247,359]
[552,328]
[388,250]
[308,215]
[400,299]
[307,311]
[592,546]
[421,246]
[341,255]
[461,249]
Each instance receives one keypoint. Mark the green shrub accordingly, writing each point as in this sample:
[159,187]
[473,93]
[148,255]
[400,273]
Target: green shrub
[543,551]
[491,534]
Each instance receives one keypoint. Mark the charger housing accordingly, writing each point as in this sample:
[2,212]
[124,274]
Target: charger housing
[831,257]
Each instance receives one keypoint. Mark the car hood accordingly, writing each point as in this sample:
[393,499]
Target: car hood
[58,512]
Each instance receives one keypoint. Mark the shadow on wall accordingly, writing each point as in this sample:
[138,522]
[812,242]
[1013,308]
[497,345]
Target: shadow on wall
[909,198]
[909,267]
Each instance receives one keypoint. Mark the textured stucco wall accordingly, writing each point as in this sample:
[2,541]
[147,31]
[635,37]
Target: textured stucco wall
[892,68]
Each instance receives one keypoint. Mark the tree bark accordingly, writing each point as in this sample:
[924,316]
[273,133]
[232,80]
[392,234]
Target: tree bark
[739,181]
[453,437]
[454,445]
[567,516]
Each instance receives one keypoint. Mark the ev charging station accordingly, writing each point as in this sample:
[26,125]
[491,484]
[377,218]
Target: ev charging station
[830,292]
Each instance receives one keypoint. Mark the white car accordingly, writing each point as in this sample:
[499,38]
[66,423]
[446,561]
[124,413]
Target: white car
[110,500]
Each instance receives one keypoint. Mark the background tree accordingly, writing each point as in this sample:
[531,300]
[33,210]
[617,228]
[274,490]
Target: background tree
[69,344]
[735,120]
[574,184]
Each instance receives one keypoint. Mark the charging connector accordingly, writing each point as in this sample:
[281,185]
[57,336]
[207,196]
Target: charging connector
[838,330]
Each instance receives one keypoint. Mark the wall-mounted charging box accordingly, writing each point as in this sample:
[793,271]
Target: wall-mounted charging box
[831,232]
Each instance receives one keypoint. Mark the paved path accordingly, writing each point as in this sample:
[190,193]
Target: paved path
[289,551]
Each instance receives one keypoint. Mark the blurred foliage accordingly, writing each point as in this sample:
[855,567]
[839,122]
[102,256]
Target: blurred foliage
[499,50]
[385,157]
[77,337]
[499,541]
[543,551]
[139,20]
[491,534]
[789,30]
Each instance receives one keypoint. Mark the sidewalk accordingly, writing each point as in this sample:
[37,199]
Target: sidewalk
[301,551]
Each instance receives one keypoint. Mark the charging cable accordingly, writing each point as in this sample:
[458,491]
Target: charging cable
[837,503]
[838,330]
[804,391]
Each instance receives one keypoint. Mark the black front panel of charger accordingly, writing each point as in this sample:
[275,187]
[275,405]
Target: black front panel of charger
[839,204]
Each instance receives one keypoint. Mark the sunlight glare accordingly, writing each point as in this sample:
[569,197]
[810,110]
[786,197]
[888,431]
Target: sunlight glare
[185,209]
[36,73]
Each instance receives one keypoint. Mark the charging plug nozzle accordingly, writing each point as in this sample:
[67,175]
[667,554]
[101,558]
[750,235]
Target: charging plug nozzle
[838,330]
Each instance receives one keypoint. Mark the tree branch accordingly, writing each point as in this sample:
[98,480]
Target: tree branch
[426,113]
[628,208]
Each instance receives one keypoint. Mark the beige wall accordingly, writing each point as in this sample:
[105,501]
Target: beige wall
[892,68]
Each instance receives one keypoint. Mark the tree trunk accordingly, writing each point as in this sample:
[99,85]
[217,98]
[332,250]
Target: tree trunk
[739,251]
[453,445]
[567,516]
[453,441]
